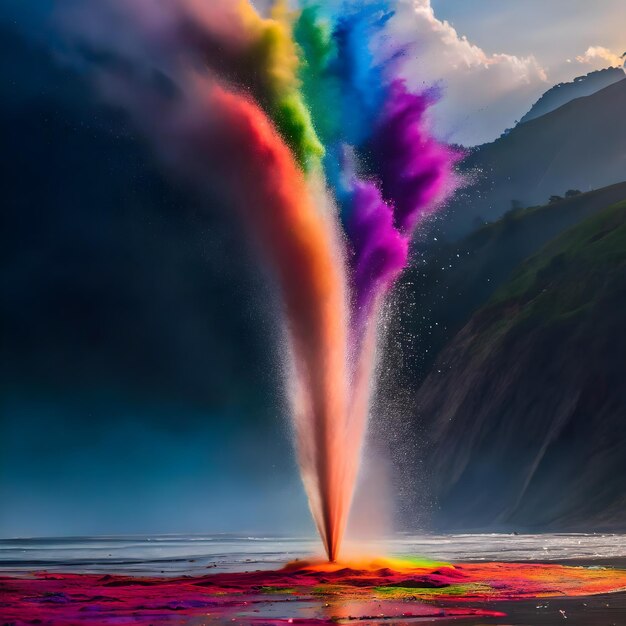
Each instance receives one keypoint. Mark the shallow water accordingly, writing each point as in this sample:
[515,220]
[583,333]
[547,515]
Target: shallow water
[197,554]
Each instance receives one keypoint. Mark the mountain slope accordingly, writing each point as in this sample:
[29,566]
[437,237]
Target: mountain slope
[526,404]
[581,86]
[581,145]
[458,278]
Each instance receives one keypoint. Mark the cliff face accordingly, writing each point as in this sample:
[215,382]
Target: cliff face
[524,410]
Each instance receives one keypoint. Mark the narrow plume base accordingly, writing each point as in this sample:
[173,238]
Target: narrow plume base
[375,591]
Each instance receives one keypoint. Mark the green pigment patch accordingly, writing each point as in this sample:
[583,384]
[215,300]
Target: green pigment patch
[468,589]
[277,590]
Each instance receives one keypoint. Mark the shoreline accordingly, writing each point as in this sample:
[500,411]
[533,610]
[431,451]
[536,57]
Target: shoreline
[379,592]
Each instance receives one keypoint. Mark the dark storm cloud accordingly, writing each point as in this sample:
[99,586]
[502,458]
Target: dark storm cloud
[124,311]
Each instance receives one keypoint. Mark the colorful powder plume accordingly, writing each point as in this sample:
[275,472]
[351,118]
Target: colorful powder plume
[303,124]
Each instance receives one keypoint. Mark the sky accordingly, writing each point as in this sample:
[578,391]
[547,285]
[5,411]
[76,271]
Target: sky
[139,387]
[494,58]
[552,31]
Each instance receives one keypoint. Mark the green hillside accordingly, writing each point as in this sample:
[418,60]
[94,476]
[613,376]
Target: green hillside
[597,244]
[439,294]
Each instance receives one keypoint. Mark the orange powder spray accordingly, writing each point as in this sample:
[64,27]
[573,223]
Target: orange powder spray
[287,216]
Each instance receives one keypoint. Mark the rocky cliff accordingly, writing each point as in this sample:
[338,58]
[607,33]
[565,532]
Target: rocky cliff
[524,409]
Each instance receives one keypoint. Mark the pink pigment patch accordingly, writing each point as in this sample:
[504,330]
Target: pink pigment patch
[301,593]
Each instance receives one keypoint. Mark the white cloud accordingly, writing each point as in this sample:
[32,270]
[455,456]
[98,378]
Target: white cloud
[483,93]
[600,57]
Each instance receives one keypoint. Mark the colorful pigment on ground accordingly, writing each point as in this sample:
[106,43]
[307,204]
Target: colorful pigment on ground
[300,122]
[301,593]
